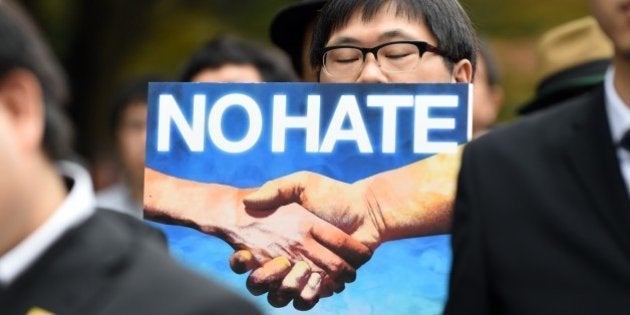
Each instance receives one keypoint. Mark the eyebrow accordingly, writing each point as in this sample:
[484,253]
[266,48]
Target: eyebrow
[395,33]
[344,40]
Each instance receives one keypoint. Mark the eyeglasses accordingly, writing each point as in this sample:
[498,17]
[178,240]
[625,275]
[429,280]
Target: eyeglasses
[398,56]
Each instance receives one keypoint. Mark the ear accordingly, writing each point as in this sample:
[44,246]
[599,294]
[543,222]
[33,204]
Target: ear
[22,99]
[462,71]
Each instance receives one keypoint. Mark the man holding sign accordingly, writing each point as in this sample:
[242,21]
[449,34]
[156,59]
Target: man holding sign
[404,41]
[374,41]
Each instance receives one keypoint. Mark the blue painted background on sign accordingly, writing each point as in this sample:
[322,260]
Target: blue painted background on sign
[404,277]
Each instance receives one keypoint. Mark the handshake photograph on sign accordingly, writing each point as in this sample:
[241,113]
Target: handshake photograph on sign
[304,236]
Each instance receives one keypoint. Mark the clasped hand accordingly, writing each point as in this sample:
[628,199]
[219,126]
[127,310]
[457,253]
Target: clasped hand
[295,255]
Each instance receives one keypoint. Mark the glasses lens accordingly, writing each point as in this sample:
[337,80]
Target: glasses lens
[399,57]
[343,61]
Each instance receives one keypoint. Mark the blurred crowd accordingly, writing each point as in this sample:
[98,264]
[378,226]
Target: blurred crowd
[571,60]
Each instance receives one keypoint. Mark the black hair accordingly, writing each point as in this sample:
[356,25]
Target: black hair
[445,19]
[23,47]
[272,66]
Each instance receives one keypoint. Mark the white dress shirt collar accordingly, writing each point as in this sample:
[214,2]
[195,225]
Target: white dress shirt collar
[75,209]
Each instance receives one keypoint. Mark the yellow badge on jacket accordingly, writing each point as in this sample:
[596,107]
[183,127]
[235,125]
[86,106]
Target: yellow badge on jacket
[38,311]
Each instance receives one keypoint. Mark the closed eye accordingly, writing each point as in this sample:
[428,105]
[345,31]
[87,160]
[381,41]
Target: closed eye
[397,56]
[346,60]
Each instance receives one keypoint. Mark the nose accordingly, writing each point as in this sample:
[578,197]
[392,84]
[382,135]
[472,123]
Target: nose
[371,72]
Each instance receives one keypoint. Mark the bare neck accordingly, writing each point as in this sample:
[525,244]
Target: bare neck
[42,197]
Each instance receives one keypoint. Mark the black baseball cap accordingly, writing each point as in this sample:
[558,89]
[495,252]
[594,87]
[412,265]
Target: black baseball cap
[288,27]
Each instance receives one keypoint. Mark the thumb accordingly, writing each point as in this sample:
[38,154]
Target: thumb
[276,193]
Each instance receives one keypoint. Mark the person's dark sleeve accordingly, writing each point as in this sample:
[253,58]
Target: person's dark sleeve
[468,290]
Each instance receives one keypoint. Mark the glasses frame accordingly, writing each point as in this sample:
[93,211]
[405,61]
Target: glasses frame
[423,47]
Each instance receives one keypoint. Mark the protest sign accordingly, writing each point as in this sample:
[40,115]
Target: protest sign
[237,136]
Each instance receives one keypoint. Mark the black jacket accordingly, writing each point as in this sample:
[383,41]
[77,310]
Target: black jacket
[115,264]
[542,218]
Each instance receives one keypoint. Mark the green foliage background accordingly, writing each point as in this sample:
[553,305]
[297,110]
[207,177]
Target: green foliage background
[103,43]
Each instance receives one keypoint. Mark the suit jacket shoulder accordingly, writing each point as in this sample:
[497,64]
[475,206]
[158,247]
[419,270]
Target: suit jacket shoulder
[116,264]
[541,218]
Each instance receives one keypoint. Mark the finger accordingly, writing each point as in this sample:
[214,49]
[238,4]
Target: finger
[340,243]
[291,286]
[335,267]
[261,279]
[302,305]
[309,295]
[311,289]
[296,279]
[277,298]
[242,261]
[338,287]
[329,286]
[275,193]
[326,289]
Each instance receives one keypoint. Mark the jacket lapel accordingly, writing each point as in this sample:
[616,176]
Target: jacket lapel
[592,154]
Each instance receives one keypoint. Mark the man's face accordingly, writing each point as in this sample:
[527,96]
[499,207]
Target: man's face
[614,18]
[13,182]
[7,159]
[386,27]
[487,99]
[131,139]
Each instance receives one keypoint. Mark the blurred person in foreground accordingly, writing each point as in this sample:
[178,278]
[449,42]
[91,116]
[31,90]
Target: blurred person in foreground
[230,59]
[571,59]
[58,254]
[128,127]
[542,216]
